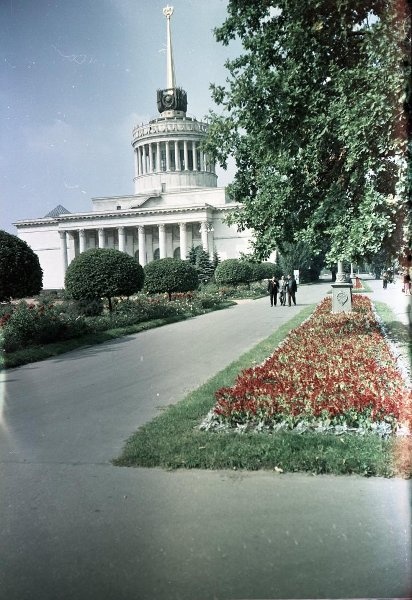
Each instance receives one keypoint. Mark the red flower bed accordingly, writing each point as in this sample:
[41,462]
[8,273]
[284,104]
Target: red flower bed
[334,369]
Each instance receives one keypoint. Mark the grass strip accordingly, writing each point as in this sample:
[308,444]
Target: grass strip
[172,440]
[35,353]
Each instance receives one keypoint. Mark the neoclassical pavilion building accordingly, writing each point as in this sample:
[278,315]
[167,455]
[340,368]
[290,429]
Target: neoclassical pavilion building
[176,202]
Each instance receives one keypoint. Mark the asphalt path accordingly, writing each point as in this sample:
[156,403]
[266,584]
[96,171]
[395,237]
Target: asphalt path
[75,527]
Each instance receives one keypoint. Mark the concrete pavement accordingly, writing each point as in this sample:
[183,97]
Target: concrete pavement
[75,527]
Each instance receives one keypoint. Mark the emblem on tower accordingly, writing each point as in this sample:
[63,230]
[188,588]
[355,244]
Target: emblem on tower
[172,98]
[168,11]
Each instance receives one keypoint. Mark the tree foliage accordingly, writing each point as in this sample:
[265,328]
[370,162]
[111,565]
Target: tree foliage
[233,271]
[103,273]
[170,275]
[199,258]
[313,115]
[300,256]
[264,270]
[20,271]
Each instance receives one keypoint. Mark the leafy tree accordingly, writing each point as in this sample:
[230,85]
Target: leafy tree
[300,256]
[312,114]
[233,271]
[20,271]
[379,262]
[103,273]
[170,275]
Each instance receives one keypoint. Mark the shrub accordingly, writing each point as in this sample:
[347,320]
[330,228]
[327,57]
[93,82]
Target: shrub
[265,270]
[20,271]
[200,259]
[89,307]
[31,325]
[103,273]
[233,271]
[170,275]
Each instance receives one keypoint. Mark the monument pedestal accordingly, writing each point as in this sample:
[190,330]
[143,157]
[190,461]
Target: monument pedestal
[341,297]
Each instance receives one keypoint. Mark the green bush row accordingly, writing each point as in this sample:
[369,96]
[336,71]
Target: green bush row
[25,324]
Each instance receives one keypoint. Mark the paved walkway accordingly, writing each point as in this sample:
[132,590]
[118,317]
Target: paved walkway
[75,527]
[393,296]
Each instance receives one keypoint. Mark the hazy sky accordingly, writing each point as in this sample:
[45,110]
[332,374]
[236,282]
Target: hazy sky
[75,77]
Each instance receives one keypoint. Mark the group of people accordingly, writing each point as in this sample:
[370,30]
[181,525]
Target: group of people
[285,287]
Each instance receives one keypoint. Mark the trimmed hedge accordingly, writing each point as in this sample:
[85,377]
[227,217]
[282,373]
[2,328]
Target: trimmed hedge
[265,270]
[103,273]
[20,271]
[170,275]
[233,271]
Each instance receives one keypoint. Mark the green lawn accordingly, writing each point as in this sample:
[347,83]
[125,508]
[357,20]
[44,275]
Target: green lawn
[172,440]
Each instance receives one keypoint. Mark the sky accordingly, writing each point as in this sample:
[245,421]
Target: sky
[75,78]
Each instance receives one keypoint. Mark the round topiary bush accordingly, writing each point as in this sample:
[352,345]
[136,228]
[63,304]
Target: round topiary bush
[103,273]
[233,271]
[266,270]
[20,271]
[170,275]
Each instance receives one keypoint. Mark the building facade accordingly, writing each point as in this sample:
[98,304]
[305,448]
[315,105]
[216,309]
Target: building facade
[176,203]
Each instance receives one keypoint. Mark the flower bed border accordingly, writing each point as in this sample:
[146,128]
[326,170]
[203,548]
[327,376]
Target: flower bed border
[283,394]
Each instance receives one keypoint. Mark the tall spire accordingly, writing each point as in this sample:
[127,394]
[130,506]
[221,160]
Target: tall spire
[172,101]
[171,80]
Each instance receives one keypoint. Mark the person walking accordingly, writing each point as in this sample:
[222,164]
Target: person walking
[385,279]
[406,283]
[283,284]
[273,289]
[292,288]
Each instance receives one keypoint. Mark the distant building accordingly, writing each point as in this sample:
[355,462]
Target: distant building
[176,202]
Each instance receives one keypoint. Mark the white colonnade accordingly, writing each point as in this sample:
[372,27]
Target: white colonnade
[76,241]
[171,155]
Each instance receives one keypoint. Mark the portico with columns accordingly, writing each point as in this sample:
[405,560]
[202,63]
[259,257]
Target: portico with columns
[146,242]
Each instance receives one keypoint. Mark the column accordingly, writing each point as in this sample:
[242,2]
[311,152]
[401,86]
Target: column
[167,157]
[121,234]
[144,148]
[162,240]
[101,238]
[177,157]
[186,155]
[142,245]
[136,163]
[203,233]
[183,241]
[150,158]
[141,160]
[82,240]
[158,164]
[71,251]
[63,250]
[194,156]
[202,161]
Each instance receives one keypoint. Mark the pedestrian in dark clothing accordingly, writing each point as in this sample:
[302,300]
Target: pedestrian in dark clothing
[385,279]
[283,284]
[292,289]
[273,288]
